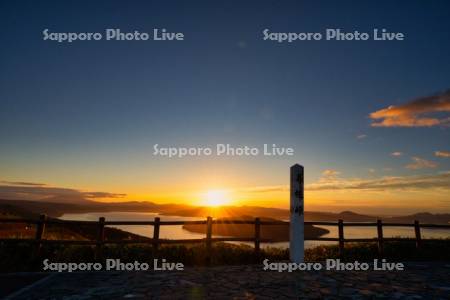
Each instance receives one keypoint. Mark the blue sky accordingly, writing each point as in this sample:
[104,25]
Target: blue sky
[79,114]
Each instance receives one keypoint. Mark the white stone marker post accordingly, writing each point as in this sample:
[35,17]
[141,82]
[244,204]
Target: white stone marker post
[296,227]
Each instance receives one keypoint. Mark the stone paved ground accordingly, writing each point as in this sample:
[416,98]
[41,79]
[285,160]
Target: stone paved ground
[419,281]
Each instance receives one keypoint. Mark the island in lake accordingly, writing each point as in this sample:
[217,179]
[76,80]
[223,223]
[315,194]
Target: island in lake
[275,233]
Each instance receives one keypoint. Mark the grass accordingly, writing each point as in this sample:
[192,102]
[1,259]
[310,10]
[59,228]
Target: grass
[19,257]
[66,231]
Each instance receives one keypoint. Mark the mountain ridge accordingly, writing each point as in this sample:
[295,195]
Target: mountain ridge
[34,208]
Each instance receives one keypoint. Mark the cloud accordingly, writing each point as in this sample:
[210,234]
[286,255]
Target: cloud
[46,193]
[442,153]
[385,183]
[361,136]
[397,153]
[330,173]
[102,195]
[416,113]
[23,183]
[265,189]
[420,163]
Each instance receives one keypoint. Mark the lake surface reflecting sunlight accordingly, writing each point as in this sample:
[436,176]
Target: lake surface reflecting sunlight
[177,231]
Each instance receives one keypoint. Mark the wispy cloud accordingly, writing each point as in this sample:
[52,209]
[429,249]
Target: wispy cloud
[442,153]
[330,173]
[385,183]
[361,136]
[420,163]
[93,195]
[32,191]
[22,183]
[264,189]
[415,113]
[397,153]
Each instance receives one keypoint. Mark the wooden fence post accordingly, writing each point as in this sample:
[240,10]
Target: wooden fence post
[341,237]
[380,237]
[208,239]
[296,226]
[100,238]
[40,229]
[257,237]
[418,236]
[156,233]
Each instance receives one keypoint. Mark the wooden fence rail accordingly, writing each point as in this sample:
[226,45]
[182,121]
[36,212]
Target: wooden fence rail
[208,240]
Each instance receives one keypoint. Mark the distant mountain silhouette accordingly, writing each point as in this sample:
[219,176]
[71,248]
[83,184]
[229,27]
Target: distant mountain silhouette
[33,208]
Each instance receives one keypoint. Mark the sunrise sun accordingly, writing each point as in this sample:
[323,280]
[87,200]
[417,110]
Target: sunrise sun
[215,198]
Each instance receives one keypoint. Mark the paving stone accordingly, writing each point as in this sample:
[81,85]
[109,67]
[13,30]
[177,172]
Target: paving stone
[248,282]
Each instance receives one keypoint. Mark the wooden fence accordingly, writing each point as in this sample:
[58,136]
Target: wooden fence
[39,239]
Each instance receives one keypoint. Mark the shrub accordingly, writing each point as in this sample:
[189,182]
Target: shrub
[22,257]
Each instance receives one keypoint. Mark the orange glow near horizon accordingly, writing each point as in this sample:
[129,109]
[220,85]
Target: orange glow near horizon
[216,192]
[360,201]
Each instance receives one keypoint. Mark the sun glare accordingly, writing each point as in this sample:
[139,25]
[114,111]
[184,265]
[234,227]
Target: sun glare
[215,198]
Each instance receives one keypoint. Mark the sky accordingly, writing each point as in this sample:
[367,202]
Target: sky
[369,120]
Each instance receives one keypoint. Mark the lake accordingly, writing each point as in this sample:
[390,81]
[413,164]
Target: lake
[177,232]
